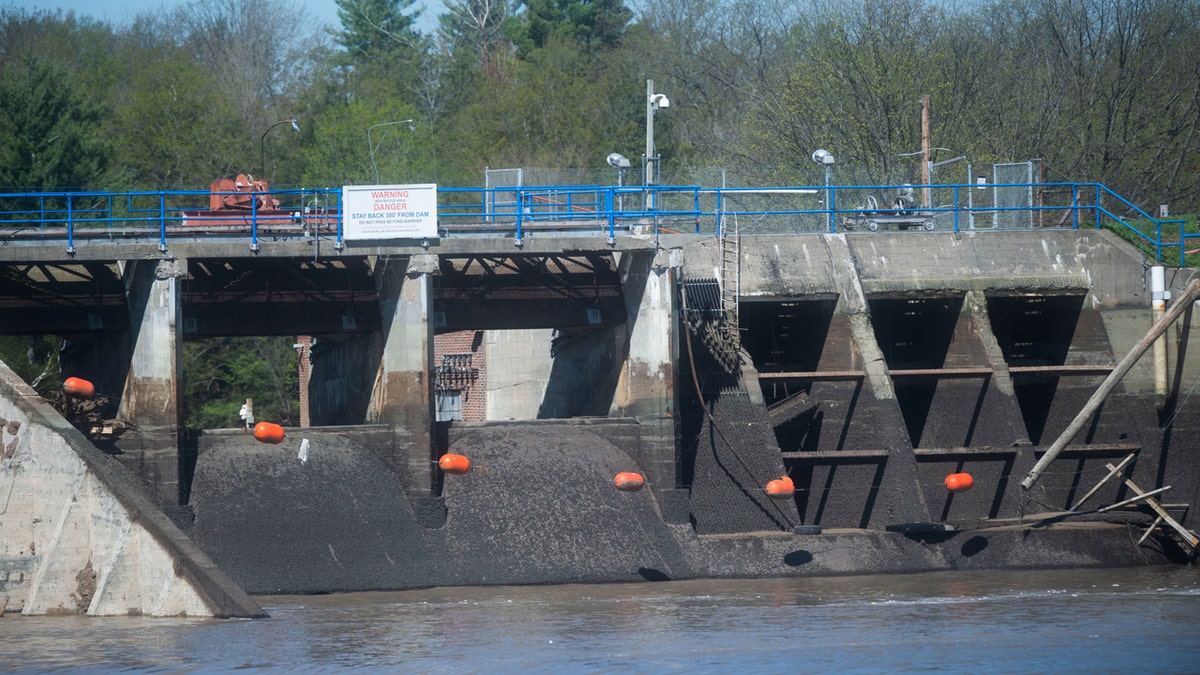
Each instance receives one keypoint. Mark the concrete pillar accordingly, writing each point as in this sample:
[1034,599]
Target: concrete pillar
[403,392]
[899,498]
[854,304]
[303,348]
[646,385]
[151,397]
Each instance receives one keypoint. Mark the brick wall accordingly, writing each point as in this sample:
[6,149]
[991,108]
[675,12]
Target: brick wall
[460,358]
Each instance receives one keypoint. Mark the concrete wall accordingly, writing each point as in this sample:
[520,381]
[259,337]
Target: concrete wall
[77,535]
[519,366]
[969,423]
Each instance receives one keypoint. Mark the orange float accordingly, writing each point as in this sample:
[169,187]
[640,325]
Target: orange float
[79,387]
[268,432]
[628,481]
[781,488]
[454,464]
[959,482]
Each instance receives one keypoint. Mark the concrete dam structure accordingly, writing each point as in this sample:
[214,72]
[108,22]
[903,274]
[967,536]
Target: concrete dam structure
[864,366]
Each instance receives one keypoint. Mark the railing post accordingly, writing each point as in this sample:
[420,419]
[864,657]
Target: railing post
[162,222]
[1096,206]
[1182,246]
[340,245]
[1075,206]
[720,211]
[956,188]
[696,208]
[612,217]
[832,210]
[254,224]
[520,212]
[70,229]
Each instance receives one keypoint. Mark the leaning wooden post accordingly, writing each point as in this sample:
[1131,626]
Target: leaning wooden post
[1106,387]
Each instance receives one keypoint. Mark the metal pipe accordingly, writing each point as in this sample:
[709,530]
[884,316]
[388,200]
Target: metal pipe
[1177,308]
[1158,304]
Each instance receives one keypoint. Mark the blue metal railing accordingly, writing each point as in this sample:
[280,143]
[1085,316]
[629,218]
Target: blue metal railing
[95,218]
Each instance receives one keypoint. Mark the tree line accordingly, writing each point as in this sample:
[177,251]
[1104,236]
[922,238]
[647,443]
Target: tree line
[1098,90]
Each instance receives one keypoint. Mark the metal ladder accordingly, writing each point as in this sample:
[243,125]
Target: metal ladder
[711,306]
[731,282]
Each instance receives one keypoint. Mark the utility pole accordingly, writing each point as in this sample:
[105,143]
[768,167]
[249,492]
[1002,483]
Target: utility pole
[925,150]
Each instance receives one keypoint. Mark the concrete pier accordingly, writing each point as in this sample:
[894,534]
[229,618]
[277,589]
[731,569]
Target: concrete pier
[403,393]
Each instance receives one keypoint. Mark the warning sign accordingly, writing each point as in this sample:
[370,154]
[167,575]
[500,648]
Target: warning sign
[389,211]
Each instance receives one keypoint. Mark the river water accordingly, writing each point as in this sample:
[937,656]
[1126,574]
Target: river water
[1126,620]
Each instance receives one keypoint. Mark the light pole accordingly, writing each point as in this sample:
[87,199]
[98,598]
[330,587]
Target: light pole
[619,162]
[262,144]
[653,103]
[825,158]
[375,146]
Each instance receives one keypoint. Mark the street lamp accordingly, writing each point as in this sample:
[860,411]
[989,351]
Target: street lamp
[375,146]
[619,162]
[825,158]
[653,103]
[262,144]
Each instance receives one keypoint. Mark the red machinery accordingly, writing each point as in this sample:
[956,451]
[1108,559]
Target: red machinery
[240,193]
[241,201]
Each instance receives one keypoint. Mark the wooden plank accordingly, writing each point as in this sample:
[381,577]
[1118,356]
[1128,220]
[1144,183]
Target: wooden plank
[1187,535]
[1156,523]
[1104,480]
[1132,500]
[1094,450]
[1060,369]
[941,372]
[1178,305]
[835,456]
[815,375]
[979,452]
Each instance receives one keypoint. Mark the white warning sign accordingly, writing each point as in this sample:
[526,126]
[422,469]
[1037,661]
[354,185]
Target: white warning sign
[389,211]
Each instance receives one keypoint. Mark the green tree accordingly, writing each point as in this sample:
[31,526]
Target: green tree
[49,131]
[374,29]
[34,358]
[477,27]
[179,130]
[594,25]
[221,373]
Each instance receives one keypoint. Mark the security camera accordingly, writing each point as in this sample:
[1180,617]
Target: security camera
[822,157]
[618,161]
[661,101]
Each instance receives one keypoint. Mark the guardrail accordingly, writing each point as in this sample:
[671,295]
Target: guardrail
[96,218]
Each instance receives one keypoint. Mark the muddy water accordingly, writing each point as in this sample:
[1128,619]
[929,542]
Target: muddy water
[1058,621]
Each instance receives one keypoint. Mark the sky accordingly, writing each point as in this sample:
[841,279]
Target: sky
[122,11]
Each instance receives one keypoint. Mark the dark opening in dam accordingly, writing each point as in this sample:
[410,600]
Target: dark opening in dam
[1035,331]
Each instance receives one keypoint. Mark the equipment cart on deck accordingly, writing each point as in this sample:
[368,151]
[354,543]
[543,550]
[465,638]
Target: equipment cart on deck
[901,215]
[873,220]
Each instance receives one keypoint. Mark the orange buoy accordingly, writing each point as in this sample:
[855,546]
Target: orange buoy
[268,432]
[959,482]
[781,488]
[454,464]
[628,481]
[79,387]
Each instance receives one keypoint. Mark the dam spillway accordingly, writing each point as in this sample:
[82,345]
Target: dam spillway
[868,367]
